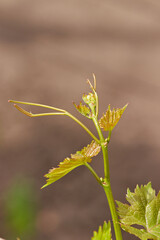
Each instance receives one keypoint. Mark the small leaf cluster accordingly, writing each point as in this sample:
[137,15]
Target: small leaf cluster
[104,233]
[83,109]
[144,210]
[91,99]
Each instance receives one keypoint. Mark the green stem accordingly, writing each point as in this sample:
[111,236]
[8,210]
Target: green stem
[83,126]
[38,105]
[106,183]
[104,147]
[111,202]
[109,136]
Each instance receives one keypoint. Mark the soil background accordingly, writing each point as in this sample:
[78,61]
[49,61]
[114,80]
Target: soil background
[47,51]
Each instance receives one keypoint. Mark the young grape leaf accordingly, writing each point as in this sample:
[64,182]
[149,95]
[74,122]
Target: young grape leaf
[89,99]
[144,210]
[91,150]
[109,120]
[104,233]
[76,160]
[83,109]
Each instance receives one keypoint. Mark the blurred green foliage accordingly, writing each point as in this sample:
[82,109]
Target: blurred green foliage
[20,210]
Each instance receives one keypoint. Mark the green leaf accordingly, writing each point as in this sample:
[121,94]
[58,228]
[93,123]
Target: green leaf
[83,109]
[91,99]
[144,210]
[140,233]
[104,233]
[91,150]
[109,120]
[76,160]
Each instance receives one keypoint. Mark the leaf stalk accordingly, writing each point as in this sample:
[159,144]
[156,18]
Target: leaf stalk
[94,173]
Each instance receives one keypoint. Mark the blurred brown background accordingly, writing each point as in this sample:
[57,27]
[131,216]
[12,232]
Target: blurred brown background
[47,51]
